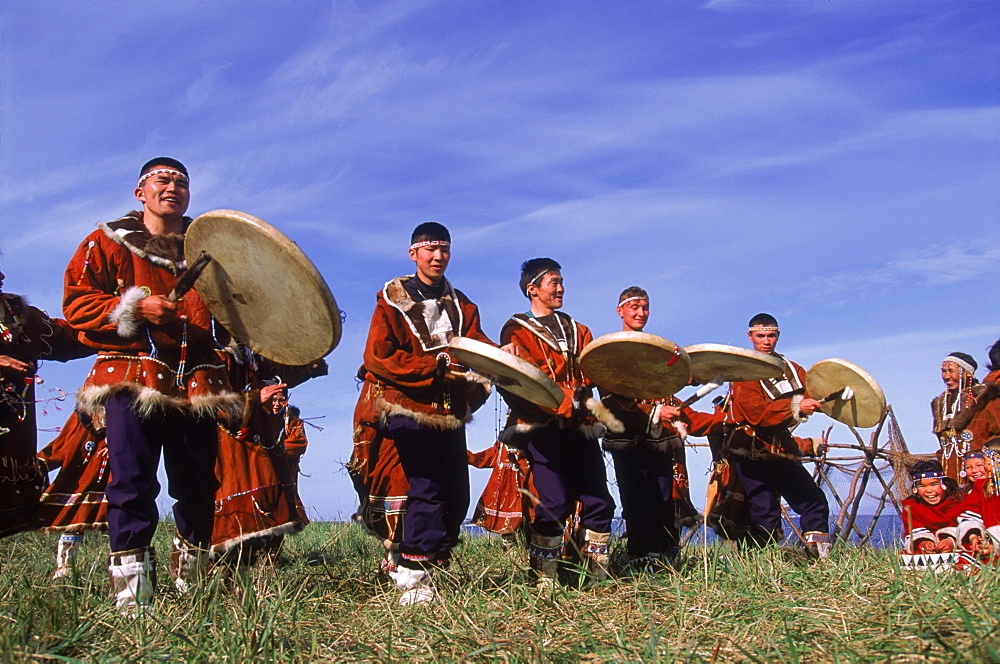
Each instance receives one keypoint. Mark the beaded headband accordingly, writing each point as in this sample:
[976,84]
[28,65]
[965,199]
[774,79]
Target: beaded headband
[930,474]
[975,454]
[962,364]
[630,299]
[159,171]
[764,328]
[430,243]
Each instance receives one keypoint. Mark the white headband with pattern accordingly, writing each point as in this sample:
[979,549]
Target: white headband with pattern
[160,171]
[430,243]
[962,364]
[634,297]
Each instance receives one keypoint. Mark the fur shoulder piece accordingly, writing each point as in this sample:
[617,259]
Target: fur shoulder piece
[163,250]
[434,322]
[545,334]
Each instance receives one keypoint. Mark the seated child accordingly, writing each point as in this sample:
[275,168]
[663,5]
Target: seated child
[930,515]
[980,529]
[977,470]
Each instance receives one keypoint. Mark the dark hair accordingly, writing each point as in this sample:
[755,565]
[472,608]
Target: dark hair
[633,291]
[763,319]
[926,466]
[532,269]
[966,357]
[168,162]
[994,354]
[430,231]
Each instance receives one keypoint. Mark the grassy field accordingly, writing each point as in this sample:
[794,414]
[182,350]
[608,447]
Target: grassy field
[324,602]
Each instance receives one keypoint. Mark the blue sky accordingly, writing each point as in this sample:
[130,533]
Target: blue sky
[834,163]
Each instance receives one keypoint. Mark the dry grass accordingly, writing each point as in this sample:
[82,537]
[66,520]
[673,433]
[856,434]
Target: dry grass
[325,602]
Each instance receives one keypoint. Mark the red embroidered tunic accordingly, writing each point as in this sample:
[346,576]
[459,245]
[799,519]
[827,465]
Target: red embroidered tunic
[400,357]
[536,344]
[763,412]
[176,365]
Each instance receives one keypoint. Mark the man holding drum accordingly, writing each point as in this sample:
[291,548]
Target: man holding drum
[420,406]
[644,455]
[561,444]
[764,412]
[158,382]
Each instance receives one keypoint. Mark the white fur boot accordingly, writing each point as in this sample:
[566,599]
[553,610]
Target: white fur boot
[416,585]
[133,579]
[66,550]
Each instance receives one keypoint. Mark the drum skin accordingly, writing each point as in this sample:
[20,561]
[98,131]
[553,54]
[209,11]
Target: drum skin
[636,365]
[865,409]
[731,363]
[507,371]
[262,288]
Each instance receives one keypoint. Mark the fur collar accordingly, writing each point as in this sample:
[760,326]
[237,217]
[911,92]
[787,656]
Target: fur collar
[542,332]
[163,250]
[433,322]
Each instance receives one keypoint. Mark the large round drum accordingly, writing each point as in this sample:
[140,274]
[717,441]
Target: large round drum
[507,371]
[636,365]
[864,409]
[731,363]
[262,288]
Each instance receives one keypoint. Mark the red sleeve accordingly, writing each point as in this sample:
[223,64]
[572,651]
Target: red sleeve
[92,281]
[295,439]
[392,357]
[482,459]
[698,423]
[805,445]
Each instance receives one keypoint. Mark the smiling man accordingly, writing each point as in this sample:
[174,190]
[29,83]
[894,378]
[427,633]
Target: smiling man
[561,444]
[414,407]
[158,383]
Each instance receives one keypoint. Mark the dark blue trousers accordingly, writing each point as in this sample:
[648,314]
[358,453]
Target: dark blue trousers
[189,449]
[436,466]
[567,467]
[766,481]
[646,486]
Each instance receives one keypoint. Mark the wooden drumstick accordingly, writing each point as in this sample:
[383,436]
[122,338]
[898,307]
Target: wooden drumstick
[843,394]
[707,388]
[185,282]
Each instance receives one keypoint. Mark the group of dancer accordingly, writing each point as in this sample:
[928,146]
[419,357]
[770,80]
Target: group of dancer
[548,471]
[166,380]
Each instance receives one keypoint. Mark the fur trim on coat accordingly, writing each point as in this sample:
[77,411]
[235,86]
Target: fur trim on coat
[162,250]
[148,401]
[427,420]
[797,408]
[126,314]
[604,415]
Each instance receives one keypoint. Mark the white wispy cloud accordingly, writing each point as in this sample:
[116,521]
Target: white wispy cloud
[974,259]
